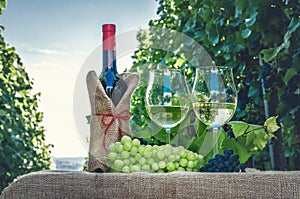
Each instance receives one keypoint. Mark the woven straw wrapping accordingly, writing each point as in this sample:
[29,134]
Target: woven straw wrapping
[53,184]
[101,103]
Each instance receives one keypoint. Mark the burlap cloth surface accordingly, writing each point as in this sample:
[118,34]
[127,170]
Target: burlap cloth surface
[54,184]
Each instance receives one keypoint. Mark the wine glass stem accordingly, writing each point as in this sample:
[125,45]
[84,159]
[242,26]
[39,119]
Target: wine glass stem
[168,140]
[215,140]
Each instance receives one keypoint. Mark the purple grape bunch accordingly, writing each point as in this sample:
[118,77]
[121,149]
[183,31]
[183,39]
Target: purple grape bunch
[228,162]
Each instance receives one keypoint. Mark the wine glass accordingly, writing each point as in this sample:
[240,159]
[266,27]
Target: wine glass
[214,101]
[167,101]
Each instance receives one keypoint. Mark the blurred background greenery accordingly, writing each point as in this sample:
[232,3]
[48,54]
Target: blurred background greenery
[22,147]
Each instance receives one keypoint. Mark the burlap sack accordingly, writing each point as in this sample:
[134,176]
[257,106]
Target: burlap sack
[108,123]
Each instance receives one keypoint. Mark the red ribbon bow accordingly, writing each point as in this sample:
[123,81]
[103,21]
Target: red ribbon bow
[123,115]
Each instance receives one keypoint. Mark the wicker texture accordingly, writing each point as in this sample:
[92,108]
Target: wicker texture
[51,184]
[102,104]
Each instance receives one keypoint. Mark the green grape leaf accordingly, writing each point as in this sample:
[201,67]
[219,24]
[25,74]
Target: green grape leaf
[270,54]
[196,143]
[213,34]
[221,139]
[201,127]
[252,19]
[238,11]
[294,25]
[239,148]
[238,128]
[253,91]
[246,33]
[256,140]
[3,4]
[3,112]
[271,124]
[161,136]
[290,73]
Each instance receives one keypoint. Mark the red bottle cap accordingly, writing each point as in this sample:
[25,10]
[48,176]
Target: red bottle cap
[109,31]
[109,28]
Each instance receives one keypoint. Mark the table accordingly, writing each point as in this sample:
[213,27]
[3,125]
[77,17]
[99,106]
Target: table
[76,184]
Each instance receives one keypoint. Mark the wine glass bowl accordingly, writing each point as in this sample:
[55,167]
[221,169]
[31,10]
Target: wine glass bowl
[167,101]
[214,96]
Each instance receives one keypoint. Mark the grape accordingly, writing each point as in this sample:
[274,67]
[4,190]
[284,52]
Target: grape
[148,153]
[171,166]
[112,156]
[120,148]
[154,153]
[162,164]
[175,150]
[127,146]
[129,155]
[118,164]
[191,156]
[183,153]
[141,140]
[155,166]
[136,143]
[180,169]
[191,164]
[155,147]
[189,169]
[143,161]
[150,161]
[183,162]
[168,151]
[142,149]
[125,139]
[126,169]
[228,162]
[126,162]
[171,158]
[113,148]
[148,148]
[243,167]
[125,154]
[200,160]
[146,167]
[132,160]
[137,157]
[134,150]
[160,155]
[135,168]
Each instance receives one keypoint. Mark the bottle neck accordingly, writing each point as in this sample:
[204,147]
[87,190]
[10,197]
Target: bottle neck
[109,51]
[109,60]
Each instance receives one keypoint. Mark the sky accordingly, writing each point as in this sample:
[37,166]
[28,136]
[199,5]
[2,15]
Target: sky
[56,40]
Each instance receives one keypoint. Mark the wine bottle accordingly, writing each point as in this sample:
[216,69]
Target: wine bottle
[110,79]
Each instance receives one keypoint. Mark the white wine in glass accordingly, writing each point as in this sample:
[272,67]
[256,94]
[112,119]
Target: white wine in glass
[214,114]
[167,116]
[167,101]
[214,101]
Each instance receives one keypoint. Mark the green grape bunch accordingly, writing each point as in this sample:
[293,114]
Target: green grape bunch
[129,156]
